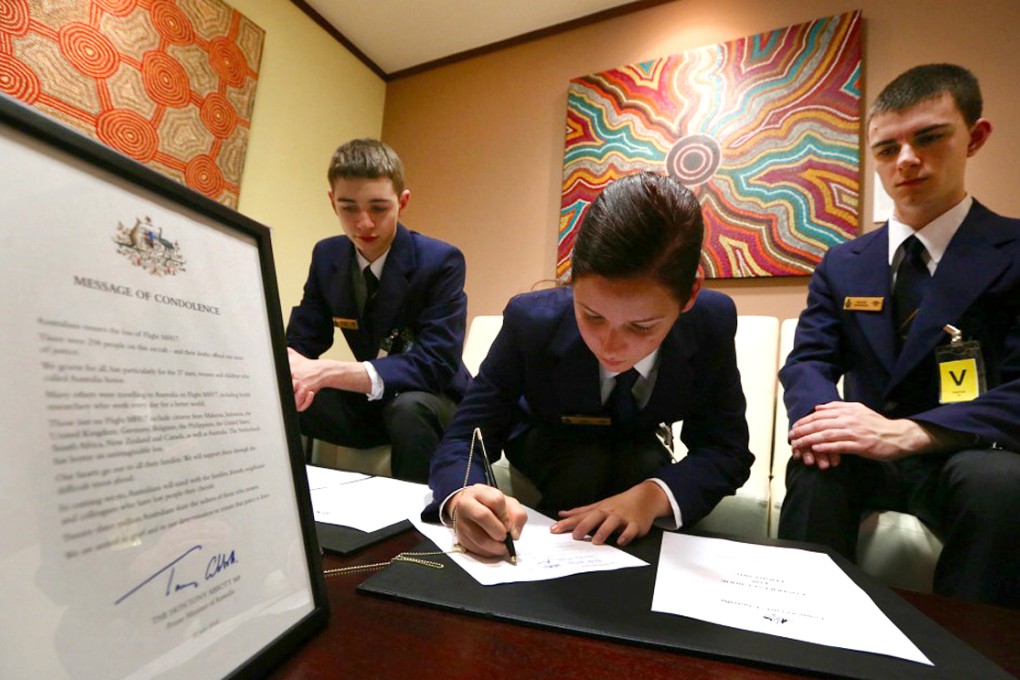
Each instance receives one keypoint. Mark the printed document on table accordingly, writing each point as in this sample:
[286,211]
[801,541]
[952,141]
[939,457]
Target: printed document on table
[321,478]
[541,555]
[369,504]
[796,594]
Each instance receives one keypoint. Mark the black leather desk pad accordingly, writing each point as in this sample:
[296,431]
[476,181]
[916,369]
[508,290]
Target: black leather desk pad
[616,605]
[347,540]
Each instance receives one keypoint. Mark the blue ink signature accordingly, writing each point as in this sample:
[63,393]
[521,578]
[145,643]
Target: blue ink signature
[216,565]
[219,563]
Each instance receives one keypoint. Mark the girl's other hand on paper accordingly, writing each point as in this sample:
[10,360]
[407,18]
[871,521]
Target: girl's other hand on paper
[630,513]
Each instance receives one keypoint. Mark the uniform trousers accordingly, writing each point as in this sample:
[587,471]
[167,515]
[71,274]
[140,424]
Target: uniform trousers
[412,423]
[970,499]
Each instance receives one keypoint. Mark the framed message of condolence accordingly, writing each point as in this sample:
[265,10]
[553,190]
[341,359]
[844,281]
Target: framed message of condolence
[156,519]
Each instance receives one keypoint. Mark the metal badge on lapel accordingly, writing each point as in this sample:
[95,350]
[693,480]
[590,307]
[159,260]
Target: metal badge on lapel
[961,369]
[345,324]
[863,304]
[586,420]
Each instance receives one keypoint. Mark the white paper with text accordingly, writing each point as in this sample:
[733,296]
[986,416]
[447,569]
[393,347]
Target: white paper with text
[797,594]
[541,555]
[324,478]
[369,504]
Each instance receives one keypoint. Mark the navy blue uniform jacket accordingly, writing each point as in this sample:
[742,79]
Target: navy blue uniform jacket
[421,295]
[976,288]
[539,370]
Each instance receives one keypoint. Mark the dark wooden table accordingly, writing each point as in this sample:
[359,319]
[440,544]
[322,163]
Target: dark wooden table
[371,637]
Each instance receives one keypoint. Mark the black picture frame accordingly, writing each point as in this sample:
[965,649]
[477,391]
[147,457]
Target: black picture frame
[43,135]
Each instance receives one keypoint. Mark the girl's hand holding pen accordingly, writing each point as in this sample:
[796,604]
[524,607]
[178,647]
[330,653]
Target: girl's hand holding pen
[482,516]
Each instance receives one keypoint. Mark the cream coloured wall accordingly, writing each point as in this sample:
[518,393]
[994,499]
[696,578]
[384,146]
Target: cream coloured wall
[483,139]
[312,96]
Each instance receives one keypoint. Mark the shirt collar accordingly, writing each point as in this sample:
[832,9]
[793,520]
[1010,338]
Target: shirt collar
[376,266]
[647,369]
[935,236]
[644,367]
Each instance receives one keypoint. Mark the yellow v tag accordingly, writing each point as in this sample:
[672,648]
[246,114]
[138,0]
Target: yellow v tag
[958,381]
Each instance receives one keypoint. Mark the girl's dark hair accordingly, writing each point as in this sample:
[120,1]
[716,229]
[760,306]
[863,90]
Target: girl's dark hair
[642,225]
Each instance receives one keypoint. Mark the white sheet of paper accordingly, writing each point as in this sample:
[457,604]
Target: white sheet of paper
[369,504]
[540,555]
[792,593]
[321,478]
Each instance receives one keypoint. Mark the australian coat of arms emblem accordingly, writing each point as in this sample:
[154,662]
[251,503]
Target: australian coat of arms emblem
[146,247]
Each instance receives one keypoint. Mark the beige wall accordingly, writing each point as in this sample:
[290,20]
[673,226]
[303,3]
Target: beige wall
[312,96]
[483,139]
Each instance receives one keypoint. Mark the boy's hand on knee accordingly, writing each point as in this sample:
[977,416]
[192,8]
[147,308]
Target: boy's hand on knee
[317,374]
[482,517]
[303,396]
[850,428]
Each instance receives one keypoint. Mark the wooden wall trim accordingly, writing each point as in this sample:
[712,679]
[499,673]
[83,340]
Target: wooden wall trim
[555,29]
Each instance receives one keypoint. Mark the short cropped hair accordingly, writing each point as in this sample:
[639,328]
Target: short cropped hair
[642,225]
[367,159]
[929,81]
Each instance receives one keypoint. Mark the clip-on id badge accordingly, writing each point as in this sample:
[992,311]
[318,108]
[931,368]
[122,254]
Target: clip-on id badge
[961,368]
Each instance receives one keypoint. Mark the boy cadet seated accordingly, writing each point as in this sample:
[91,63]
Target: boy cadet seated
[917,431]
[398,297]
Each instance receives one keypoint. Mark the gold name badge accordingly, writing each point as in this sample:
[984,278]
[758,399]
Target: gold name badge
[586,420]
[958,381]
[863,304]
[346,324]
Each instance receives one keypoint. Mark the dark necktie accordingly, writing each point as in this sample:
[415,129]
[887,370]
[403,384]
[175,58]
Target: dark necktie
[371,288]
[912,280]
[622,405]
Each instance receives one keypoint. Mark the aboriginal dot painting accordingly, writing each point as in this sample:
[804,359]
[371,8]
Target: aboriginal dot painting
[170,83]
[765,131]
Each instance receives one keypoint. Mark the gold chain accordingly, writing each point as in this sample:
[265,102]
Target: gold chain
[412,557]
[415,557]
[475,435]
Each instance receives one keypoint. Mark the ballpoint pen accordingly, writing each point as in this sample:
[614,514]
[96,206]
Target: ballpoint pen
[490,479]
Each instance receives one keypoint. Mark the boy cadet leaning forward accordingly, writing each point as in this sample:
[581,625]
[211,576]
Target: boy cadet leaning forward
[398,297]
[917,430]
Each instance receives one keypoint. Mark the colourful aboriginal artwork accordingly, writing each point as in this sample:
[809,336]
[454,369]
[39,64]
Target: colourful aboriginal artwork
[765,130]
[170,83]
